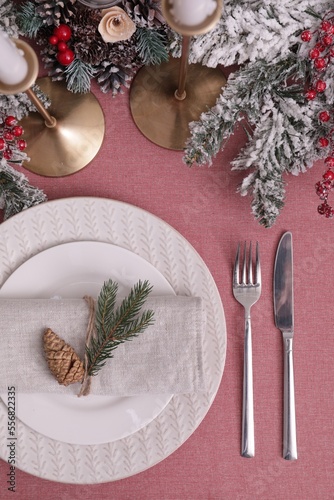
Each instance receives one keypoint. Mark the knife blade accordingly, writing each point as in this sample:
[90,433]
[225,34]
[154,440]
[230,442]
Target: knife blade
[284,320]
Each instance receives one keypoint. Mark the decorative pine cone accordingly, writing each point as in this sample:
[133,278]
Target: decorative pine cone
[85,23]
[87,41]
[123,53]
[112,78]
[63,361]
[55,12]
[144,13]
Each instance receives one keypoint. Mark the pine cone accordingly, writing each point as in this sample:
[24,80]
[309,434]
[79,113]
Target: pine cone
[56,12]
[112,78]
[144,13]
[63,362]
[85,23]
[124,54]
[87,42]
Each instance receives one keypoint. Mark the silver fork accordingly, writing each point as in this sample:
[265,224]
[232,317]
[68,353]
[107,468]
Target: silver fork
[247,291]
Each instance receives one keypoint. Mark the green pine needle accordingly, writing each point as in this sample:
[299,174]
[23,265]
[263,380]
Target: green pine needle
[78,76]
[28,20]
[114,327]
[151,46]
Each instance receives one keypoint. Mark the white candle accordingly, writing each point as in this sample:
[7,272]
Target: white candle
[192,12]
[13,66]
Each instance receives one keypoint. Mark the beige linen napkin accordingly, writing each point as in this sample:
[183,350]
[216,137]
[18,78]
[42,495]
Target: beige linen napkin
[166,358]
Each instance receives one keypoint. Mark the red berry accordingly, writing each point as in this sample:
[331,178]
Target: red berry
[10,121]
[21,144]
[320,46]
[329,212]
[325,26]
[7,154]
[320,86]
[2,144]
[328,175]
[330,161]
[63,32]
[53,40]
[8,136]
[62,46]
[323,142]
[65,58]
[322,208]
[306,36]
[314,53]
[320,63]
[17,131]
[321,190]
[324,116]
[327,40]
[310,94]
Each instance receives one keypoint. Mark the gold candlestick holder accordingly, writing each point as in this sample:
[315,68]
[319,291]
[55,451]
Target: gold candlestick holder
[66,137]
[165,98]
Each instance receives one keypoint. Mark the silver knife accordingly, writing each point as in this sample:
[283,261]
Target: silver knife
[283,309]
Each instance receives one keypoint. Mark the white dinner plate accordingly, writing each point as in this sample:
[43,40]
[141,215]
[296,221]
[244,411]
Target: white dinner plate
[96,219]
[73,270]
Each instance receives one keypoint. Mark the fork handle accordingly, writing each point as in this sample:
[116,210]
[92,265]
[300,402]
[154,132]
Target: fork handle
[247,438]
[289,424]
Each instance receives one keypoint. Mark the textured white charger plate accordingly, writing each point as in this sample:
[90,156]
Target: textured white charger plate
[73,270]
[97,219]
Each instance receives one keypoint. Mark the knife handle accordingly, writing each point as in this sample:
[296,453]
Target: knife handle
[247,438]
[289,425]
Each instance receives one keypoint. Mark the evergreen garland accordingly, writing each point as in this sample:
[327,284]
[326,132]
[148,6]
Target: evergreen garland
[16,194]
[113,65]
[266,95]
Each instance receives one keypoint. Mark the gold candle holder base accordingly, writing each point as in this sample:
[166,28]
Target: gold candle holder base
[72,138]
[67,136]
[161,116]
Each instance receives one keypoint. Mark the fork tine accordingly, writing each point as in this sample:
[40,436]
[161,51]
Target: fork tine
[236,267]
[244,266]
[250,265]
[257,264]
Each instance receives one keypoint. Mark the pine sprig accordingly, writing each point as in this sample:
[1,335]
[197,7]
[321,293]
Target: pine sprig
[78,76]
[114,327]
[28,20]
[152,46]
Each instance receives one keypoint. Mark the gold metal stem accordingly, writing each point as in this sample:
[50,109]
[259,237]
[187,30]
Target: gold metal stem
[166,98]
[158,114]
[49,120]
[180,92]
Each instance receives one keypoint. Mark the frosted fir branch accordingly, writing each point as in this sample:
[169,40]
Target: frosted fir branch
[268,196]
[252,30]
[244,98]
[8,18]
[283,130]
[20,105]
[16,194]
[284,141]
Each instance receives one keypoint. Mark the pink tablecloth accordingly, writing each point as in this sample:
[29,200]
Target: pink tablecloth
[203,205]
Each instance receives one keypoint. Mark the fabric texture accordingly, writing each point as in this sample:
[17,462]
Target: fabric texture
[166,357]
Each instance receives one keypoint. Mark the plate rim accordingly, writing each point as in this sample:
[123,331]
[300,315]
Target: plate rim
[156,441]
